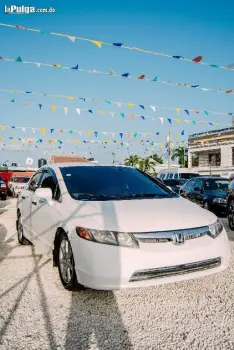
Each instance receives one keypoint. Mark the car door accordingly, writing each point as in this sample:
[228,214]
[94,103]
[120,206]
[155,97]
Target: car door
[24,203]
[45,217]
[196,192]
[189,187]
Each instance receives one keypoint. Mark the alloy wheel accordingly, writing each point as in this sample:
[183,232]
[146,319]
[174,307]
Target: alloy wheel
[231,215]
[66,261]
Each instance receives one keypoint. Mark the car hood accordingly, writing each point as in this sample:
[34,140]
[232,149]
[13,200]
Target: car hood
[213,194]
[142,215]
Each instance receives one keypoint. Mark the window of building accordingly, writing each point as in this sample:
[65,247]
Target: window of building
[195,159]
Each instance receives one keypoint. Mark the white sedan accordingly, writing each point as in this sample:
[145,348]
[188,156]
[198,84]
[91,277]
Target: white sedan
[112,227]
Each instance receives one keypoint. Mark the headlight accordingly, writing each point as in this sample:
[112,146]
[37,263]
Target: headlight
[122,239]
[3,185]
[220,200]
[215,229]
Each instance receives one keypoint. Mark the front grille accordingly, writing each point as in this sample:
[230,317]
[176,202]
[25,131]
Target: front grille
[142,275]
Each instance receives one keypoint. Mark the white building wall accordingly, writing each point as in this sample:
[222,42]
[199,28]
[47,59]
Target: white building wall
[226,155]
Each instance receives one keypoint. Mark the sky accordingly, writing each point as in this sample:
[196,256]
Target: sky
[181,28]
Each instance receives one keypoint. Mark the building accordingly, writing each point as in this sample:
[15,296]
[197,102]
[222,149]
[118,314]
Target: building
[212,153]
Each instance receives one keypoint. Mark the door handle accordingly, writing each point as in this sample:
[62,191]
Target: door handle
[34,203]
[23,197]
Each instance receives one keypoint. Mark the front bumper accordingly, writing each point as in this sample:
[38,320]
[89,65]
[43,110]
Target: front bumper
[105,267]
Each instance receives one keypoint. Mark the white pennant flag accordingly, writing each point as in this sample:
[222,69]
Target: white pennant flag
[186,121]
[23,129]
[153,108]
[104,133]
[65,109]
[33,130]
[72,38]
[118,104]
[38,65]
[112,114]
[161,119]
[80,132]
[78,111]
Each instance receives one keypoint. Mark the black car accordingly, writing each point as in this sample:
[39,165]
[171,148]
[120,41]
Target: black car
[175,184]
[208,192]
[230,205]
[3,190]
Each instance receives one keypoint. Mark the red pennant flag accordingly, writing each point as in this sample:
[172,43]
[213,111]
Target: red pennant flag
[197,59]
[141,76]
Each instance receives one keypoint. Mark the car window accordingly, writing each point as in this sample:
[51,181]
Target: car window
[48,181]
[176,176]
[189,185]
[198,183]
[110,182]
[216,184]
[231,185]
[22,179]
[34,182]
[170,176]
[188,175]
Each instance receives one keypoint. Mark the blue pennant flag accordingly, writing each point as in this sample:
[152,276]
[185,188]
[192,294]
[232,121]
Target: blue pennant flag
[186,111]
[75,67]
[51,130]
[90,111]
[182,133]
[40,105]
[117,44]
[169,120]
[125,75]
[143,107]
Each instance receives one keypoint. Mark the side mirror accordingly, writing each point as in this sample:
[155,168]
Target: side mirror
[44,193]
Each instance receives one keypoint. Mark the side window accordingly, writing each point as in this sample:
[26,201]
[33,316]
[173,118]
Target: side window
[231,185]
[189,185]
[170,176]
[198,183]
[48,181]
[34,182]
[176,176]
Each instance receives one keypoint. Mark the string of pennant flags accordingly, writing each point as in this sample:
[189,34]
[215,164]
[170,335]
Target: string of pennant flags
[98,43]
[125,75]
[187,111]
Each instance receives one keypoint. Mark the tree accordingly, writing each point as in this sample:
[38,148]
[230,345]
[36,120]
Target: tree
[157,158]
[147,165]
[180,153]
[132,160]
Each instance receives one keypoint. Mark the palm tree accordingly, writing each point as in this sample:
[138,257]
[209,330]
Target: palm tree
[147,165]
[180,153]
[132,160]
[157,158]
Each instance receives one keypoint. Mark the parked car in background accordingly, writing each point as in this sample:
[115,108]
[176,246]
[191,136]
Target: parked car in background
[3,190]
[230,205]
[208,192]
[17,184]
[107,227]
[175,184]
[176,173]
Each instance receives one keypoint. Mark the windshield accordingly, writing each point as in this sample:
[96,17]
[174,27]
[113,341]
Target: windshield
[111,182]
[22,179]
[188,175]
[216,185]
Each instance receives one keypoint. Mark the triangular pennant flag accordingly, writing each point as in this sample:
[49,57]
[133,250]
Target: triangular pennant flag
[12,100]
[98,43]
[182,133]
[153,108]
[51,130]
[194,122]
[44,32]
[228,91]
[135,135]
[38,65]
[112,114]
[108,102]
[70,131]
[143,107]
[65,109]
[13,127]
[53,108]
[96,133]
[194,86]
[169,120]
[89,132]
[130,104]
[57,65]
[141,77]
[26,104]
[90,111]
[23,129]
[206,112]
[211,123]
[187,121]
[197,59]
[142,117]
[78,111]
[75,67]
[125,75]
[18,59]
[43,130]
[3,128]
[161,119]
[61,131]
[178,110]
[214,65]
[111,72]
[179,57]
[132,116]
[196,111]
[28,92]
[40,105]
[122,115]
[100,111]
[70,97]
[118,104]
[117,44]
[186,111]
[155,79]
[121,135]
[157,133]
[20,27]
[76,141]
[72,38]
[178,121]
[177,133]
[33,130]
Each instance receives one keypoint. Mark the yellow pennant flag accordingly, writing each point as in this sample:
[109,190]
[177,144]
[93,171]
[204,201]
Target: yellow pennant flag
[43,130]
[57,65]
[178,121]
[177,110]
[89,132]
[98,43]
[76,141]
[70,97]
[100,111]
[130,104]
[107,141]
[13,141]
[3,127]
[177,133]
[53,108]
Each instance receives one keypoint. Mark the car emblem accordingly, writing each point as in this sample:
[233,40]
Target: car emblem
[178,238]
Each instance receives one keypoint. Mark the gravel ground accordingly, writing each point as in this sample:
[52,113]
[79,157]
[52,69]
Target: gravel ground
[37,313]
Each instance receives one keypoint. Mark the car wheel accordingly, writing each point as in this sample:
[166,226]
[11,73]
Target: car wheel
[231,214]
[4,198]
[66,265]
[206,205]
[13,194]
[20,232]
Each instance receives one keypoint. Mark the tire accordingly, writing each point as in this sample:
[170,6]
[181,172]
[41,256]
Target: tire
[230,213]
[3,198]
[20,233]
[13,194]
[206,205]
[66,264]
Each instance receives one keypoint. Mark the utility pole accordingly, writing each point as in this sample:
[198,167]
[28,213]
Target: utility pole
[169,147]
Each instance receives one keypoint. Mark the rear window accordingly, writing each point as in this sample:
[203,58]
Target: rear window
[22,179]
[109,182]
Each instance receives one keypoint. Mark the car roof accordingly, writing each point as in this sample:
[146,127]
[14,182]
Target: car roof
[73,164]
[211,177]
